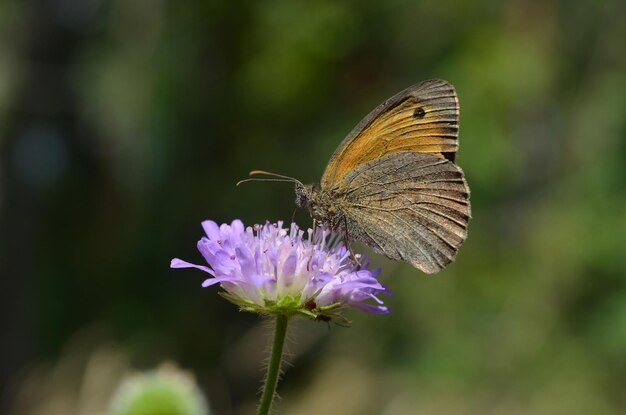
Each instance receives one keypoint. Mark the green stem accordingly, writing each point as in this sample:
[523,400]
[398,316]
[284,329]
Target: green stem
[273,368]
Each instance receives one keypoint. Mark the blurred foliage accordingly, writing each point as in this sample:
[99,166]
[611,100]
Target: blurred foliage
[123,124]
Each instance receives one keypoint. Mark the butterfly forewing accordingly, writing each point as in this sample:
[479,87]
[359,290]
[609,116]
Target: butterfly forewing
[422,118]
[409,206]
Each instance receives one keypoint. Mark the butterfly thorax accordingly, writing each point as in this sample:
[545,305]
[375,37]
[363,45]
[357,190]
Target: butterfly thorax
[320,204]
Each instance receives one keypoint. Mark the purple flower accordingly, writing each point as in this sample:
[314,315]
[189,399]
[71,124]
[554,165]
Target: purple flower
[274,270]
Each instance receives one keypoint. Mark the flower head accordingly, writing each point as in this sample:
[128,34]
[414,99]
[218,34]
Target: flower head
[270,269]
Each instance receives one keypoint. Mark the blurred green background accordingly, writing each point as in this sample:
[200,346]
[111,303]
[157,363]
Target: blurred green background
[123,124]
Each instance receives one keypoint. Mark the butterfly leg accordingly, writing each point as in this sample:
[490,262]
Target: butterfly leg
[355,257]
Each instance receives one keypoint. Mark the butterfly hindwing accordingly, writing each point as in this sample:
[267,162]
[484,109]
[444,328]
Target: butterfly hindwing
[408,206]
[423,118]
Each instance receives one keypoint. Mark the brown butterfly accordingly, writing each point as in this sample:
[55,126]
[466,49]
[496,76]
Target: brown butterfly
[392,183]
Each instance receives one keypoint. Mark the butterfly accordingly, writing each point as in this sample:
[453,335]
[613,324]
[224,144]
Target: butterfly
[392,183]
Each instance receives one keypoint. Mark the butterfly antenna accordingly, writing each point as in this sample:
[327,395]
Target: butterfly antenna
[277,178]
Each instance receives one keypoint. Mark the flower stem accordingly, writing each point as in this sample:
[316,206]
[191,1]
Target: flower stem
[273,368]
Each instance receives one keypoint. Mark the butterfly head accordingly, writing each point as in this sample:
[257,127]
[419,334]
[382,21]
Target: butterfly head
[305,195]
[318,203]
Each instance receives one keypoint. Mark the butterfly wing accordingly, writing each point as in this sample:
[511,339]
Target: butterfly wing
[422,118]
[408,206]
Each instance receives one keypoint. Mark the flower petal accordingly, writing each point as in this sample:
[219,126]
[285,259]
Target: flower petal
[179,263]
[211,229]
[237,227]
[289,268]
[246,261]
[210,281]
